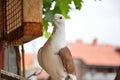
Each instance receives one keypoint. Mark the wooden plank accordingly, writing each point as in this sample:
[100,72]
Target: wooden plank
[32,11]
[11,76]
[31,30]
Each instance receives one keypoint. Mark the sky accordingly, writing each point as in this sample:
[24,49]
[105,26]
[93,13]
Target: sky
[98,19]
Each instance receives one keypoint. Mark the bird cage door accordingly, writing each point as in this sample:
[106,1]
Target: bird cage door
[22,20]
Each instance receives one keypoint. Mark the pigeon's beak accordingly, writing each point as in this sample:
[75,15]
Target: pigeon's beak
[55,19]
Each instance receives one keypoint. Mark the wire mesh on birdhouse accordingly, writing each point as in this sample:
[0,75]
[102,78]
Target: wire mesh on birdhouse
[21,20]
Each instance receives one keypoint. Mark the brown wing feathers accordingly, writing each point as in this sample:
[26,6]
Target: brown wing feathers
[67,60]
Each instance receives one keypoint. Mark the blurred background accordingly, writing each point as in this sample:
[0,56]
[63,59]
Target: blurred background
[93,36]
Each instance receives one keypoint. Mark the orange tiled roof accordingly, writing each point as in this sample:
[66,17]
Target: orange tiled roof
[102,55]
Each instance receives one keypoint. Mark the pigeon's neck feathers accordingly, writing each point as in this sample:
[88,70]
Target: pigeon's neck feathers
[57,38]
[58,34]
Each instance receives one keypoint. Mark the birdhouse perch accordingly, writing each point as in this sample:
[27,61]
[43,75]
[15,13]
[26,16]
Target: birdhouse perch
[21,20]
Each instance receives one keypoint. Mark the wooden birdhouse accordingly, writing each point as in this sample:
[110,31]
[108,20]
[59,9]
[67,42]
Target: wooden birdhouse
[21,20]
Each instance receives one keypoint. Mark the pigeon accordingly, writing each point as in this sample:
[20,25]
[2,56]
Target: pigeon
[55,57]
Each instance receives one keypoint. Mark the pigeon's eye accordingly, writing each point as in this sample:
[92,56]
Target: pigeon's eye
[60,18]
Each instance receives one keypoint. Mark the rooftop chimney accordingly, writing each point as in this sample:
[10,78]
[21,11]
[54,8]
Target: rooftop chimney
[94,42]
[117,50]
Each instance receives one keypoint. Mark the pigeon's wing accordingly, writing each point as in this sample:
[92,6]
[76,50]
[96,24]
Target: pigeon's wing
[67,60]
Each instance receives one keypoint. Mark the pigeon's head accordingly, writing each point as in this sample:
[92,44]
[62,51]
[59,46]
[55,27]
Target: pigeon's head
[59,19]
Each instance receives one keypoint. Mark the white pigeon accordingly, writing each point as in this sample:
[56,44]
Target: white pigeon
[54,57]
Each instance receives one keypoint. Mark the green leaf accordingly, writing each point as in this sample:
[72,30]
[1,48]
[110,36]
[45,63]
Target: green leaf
[49,15]
[47,4]
[78,4]
[47,34]
[64,7]
[57,10]
[47,18]
[45,24]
